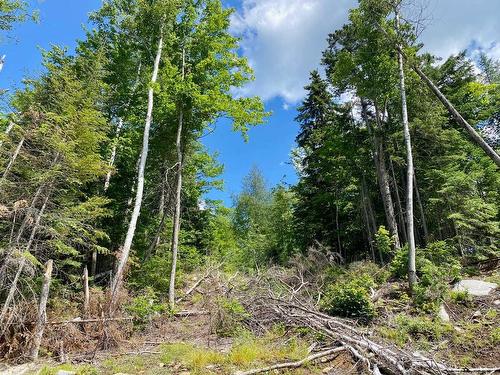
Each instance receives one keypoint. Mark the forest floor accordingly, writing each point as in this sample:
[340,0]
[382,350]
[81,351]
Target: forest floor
[223,339]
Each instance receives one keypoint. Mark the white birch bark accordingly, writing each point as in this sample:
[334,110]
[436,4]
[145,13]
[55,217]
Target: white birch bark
[118,279]
[112,157]
[13,159]
[177,211]
[410,231]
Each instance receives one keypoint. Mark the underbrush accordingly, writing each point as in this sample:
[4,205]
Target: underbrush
[348,292]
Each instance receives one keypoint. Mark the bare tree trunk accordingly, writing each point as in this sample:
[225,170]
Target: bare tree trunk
[410,232]
[421,208]
[370,217]
[383,176]
[118,279]
[42,315]
[177,210]
[368,226]
[86,292]
[402,223]
[337,224]
[7,131]
[13,158]
[112,157]
[177,214]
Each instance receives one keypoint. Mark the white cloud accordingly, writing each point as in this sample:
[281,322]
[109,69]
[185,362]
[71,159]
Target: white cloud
[459,24]
[284,39]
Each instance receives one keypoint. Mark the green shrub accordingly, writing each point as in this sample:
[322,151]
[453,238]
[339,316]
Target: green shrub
[230,317]
[436,267]
[379,275]
[144,306]
[383,242]
[460,297]
[350,298]
[419,328]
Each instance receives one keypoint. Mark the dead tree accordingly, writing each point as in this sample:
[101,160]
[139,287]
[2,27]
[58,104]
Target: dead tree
[42,315]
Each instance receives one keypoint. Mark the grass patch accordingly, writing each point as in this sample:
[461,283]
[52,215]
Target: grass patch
[247,351]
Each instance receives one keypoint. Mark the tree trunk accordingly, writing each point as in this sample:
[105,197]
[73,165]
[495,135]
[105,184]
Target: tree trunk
[337,225]
[86,292]
[118,279]
[162,211]
[13,158]
[177,213]
[410,232]
[368,226]
[421,208]
[372,223]
[42,316]
[112,157]
[177,210]
[402,223]
[383,176]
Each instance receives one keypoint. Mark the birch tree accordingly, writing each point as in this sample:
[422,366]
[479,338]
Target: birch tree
[204,44]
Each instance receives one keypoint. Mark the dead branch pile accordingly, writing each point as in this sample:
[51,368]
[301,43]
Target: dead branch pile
[290,297]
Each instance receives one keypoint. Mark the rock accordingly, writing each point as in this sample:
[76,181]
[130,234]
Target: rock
[477,314]
[161,364]
[496,302]
[475,287]
[443,314]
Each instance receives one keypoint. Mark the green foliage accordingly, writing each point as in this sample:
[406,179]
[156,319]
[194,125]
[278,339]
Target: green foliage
[350,298]
[437,267]
[461,297]
[145,305]
[13,11]
[383,241]
[420,328]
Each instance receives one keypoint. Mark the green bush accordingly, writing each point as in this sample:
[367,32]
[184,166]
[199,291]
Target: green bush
[230,317]
[144,306]
[350,298]
[461,297]
[422,327]
[383,242]
[436,266]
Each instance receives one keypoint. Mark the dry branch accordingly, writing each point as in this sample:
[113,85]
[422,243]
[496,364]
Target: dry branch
[293,364]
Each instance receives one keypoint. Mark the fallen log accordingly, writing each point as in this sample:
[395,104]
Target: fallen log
[297,364]
[376,356]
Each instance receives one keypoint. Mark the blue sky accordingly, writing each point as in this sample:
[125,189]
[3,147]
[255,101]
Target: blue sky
[283,40]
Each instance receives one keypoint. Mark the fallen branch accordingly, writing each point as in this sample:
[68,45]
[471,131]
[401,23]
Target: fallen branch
[193,288]
[293,364]
[179,314]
